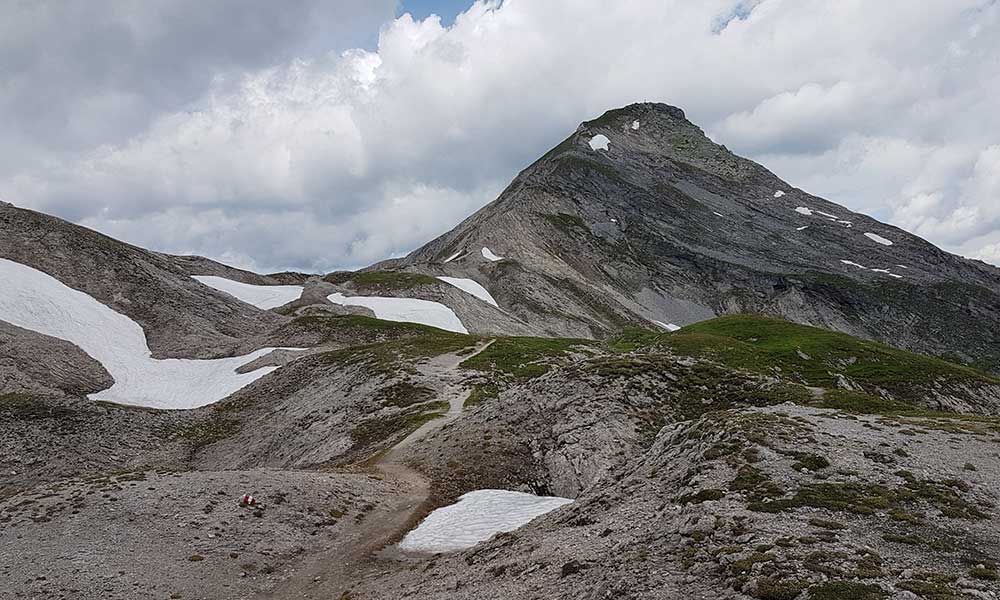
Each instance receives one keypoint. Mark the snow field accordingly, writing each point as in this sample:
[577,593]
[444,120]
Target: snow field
[489,255]
[37,301]
[405,310]
[878,239]
[599,142]
[476,517]
[471,287]
[261,296]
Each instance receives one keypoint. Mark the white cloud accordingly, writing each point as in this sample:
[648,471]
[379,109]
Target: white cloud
[341,159]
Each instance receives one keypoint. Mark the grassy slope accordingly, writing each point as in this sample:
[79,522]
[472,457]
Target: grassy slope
[807,355]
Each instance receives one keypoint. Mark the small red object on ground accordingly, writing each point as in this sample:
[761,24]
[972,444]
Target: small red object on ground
[248,500]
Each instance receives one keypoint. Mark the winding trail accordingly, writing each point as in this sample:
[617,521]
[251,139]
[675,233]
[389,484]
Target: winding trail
[329,574]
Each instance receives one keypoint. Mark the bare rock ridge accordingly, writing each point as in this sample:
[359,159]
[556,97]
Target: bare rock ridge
[666,226]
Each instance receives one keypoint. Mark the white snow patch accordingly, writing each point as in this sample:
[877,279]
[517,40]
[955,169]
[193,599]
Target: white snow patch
[635,125]
[827,215]
[488,255]
[614,220]
[599,142]
[476,517]
[854,264]
[779,194]
[802,210]
[847,224]
[453,256]
[903,266]
[667,326]
[803,228]
[261,296]
[471,287]
[405,310]
[37,301]
[878,239]
[717,214]
[887,272]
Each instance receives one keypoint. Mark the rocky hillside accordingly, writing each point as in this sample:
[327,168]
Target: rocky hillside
[711,370]
[639,219]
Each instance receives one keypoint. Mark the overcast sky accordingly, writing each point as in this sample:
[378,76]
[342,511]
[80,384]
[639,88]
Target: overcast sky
[316,134]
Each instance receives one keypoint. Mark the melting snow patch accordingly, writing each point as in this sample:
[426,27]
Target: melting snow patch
[878,239]
[779,194]
[476,517]
[635,125]
[261,296]
[453,256]
[827,215]
[803,228]
[471,287]
[37,301]
[854,264]
[405,310]
[717,214]
[667,326]
[488,255]
[599,142]
[804,211]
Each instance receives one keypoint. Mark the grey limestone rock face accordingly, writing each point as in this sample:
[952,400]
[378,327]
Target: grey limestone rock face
[665,225]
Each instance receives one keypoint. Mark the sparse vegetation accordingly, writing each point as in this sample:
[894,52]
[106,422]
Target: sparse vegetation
[522,357]
[381,280]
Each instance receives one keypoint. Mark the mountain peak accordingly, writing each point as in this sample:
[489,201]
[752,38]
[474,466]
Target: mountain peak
[657,111]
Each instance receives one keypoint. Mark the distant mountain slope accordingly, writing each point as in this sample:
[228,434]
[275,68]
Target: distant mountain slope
[639,218]
[180,316]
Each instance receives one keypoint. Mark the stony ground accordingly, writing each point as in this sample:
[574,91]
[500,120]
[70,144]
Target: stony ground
[690,479]
[177,535]
[768,503]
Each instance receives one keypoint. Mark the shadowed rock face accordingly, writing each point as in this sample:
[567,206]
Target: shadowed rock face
[666,225]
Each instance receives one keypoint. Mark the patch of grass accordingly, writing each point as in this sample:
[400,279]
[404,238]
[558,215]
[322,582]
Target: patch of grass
[404,394]
[379,431]
[932,590]
[984,573]
[381,280]
[522,357]
[769,588]
[212,429]
[866,499]
[812,356]
[27,407]
[846,590]
[483,392]
[567,223]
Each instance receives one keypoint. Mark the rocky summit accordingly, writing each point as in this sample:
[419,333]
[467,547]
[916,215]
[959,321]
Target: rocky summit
[649,369]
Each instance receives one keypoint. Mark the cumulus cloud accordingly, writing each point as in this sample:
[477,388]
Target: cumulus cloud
[339,158]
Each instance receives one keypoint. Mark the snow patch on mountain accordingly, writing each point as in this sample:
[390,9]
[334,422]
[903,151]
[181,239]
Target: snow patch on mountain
[667,326]
[599,142]
[779,194]
[802,210]
[488,255]
[261,296]
[37,301]
[405,310]
[476,517]
[878,239]
[471,287]
[453,257]
[635,125]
